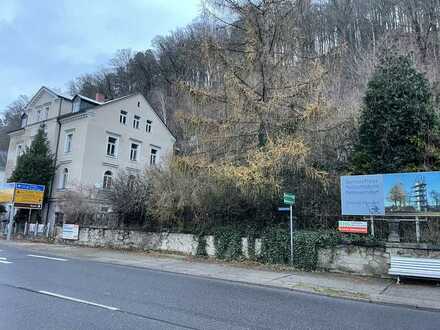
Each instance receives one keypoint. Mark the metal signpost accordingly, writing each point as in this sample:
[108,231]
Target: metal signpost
[289,199]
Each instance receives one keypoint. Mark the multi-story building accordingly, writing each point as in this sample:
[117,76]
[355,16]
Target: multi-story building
[92,140]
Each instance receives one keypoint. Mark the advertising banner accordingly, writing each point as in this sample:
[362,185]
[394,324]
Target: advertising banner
[7,192]
[391,194]
[70,231]
[355,227]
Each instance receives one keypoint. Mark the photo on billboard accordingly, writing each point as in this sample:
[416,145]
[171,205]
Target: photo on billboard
[412,193]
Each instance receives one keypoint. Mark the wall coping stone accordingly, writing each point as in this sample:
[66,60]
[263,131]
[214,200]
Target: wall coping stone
[413,246]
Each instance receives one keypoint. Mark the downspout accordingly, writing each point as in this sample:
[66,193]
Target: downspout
[53,177]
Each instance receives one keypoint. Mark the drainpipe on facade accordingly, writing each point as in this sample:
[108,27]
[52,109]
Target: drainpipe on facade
[53,178]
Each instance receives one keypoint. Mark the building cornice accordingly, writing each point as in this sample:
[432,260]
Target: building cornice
[110,164]
[17,132]
[73,118]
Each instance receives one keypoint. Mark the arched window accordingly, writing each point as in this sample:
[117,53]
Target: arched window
[64,178]
[108,178]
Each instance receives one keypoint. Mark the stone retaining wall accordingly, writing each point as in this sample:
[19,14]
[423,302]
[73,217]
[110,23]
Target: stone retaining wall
[343,258]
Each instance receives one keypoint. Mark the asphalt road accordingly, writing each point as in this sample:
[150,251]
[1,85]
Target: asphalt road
[60,293]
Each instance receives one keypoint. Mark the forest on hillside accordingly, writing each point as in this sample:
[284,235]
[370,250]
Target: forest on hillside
[265,96]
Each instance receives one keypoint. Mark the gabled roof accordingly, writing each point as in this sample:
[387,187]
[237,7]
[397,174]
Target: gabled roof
[47,90]
[154,111]
[87,99]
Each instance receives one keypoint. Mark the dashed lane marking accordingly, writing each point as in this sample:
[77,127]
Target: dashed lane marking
[45,257]
[78,300]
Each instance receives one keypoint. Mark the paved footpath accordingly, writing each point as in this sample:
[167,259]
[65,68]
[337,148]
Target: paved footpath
[419,294]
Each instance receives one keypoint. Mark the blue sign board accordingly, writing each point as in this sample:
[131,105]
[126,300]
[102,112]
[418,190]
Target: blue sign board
[27,186]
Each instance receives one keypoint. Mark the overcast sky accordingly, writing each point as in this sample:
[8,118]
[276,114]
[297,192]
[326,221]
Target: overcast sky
[50,42]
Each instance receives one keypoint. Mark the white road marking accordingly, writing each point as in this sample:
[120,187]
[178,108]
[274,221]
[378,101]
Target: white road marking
[44,257]
[78,300]
[3,258]
[5,262]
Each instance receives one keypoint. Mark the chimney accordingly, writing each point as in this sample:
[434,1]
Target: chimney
[99,97]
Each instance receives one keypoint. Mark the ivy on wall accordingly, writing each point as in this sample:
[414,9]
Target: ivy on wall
[275,245]
[227,243]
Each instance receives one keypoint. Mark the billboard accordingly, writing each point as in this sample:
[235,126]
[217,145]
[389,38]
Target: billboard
[7,192]
[388,194]
[22,195]
[28,195]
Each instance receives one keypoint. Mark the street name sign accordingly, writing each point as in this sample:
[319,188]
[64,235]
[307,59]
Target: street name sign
[289,199]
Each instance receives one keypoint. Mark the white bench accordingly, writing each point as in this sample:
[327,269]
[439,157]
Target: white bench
[414,267]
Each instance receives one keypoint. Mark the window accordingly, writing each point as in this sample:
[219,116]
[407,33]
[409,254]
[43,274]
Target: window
[136,122]
[112,143]
[38,115]
[23,120]
[153,157]
[108,178]
[46,113]
[134,151]
[148,127]
[64,178]
[68,143]
[123,117]
[139,104]
[76,105]
[19,150]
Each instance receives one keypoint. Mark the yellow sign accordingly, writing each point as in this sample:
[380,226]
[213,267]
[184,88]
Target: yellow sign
[28,195]
[7,192]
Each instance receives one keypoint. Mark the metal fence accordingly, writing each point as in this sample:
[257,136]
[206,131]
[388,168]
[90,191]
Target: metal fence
[406,229]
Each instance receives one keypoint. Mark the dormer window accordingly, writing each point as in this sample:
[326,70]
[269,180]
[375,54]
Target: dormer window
[76,105]
[23,120]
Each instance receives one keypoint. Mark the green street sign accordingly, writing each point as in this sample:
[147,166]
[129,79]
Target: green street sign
[289,199]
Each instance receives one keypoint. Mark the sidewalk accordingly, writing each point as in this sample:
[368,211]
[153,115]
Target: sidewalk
[421,294]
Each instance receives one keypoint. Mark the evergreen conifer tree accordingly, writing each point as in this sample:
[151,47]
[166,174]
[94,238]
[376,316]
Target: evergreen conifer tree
[37,164]
[397,121]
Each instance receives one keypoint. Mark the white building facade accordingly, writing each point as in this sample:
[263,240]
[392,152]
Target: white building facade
[92,140]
